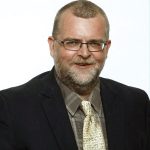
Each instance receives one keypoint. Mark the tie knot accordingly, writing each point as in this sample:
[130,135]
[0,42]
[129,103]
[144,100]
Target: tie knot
[86,106]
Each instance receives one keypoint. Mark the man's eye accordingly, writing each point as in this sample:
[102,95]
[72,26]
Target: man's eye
[72,43]
[95,44]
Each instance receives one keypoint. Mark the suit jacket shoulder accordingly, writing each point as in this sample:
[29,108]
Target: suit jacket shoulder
[122,89]
[27,89]
[33,116]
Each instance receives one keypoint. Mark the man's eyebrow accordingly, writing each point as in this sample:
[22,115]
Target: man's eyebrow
[95,40]
[77,39]
[71,39]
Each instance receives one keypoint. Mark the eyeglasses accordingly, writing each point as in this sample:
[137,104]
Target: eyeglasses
[75,45]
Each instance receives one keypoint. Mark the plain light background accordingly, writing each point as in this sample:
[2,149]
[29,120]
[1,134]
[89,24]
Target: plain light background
[26,24]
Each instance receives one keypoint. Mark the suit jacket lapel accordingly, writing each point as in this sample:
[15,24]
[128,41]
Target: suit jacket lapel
[56,113]
[114,116]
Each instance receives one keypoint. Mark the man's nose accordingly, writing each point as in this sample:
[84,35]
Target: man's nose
[84,51]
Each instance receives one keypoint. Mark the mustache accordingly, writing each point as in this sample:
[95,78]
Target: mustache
[84,61]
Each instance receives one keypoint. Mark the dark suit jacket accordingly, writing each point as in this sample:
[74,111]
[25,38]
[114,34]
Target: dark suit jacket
[33,116]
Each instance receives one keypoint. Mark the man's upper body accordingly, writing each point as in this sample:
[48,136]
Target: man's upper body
[45,113]
[34,116]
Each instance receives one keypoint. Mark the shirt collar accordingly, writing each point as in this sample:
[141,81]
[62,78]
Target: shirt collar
[73,100]
[95,98]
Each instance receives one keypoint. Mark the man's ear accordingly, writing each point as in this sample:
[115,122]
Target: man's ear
[106,49]
[108,44]
[51,45]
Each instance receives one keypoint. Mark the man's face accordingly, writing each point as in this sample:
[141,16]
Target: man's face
[82,66]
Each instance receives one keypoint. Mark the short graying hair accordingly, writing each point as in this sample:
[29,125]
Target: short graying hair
[82,9]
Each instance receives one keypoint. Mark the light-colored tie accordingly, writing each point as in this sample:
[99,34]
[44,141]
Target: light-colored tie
[92,131]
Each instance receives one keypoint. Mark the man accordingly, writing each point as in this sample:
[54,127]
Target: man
[47,113]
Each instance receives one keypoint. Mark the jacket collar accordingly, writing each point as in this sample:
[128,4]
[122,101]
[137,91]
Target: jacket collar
[56,112]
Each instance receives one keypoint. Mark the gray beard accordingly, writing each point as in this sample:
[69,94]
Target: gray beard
[73,82]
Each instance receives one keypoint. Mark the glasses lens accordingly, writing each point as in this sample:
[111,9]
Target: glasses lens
[72,45]
[96,46]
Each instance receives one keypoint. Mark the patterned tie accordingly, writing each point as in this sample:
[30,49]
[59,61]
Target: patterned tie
[92,131]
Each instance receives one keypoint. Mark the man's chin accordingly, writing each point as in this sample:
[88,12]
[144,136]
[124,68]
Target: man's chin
[83,78]
[81,70]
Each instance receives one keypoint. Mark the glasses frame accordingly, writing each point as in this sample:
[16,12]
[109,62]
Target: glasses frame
[62,42]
